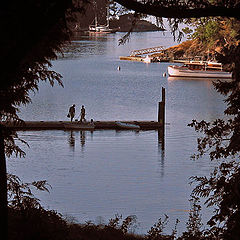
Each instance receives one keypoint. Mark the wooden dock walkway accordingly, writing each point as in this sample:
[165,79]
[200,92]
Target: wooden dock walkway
[135,58]
[96,125]
[93,125]
[136,55]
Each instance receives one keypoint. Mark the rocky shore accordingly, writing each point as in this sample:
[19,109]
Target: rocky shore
[188,50]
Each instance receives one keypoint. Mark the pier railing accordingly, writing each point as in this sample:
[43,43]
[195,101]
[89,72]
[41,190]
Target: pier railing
[147,50]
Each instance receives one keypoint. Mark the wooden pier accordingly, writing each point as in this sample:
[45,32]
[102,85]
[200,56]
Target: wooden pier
[132,58]
[96,125]
[93,125]
[142,55]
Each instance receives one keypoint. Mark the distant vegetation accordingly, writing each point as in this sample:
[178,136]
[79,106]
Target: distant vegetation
[207,37]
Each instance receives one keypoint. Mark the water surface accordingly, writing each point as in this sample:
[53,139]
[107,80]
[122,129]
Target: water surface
[107,172]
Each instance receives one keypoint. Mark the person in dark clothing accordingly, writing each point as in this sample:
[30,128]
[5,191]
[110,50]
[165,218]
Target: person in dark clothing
[72,112]
[82,114]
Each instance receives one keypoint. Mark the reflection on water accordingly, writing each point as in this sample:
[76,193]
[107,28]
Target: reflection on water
[209,80]
[72,137]
[82,49]
[161,149]
[71,140]
[82,139]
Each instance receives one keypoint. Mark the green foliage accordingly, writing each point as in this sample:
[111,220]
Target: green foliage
[40,224]
[20,195]
[156,231]
[194,223]
[27,218]
[126,224]
[222,190]
[188,31]
[116,10]
[207,31]
[220,139]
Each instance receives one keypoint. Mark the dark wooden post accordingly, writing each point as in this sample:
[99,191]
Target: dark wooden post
[161,120]
[161,109]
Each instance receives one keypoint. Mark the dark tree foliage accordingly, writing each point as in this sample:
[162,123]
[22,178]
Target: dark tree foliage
[32,32]
[184,8]
[222,190]
[220,138]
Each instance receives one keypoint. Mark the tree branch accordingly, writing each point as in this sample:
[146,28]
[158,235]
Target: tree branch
[156,8]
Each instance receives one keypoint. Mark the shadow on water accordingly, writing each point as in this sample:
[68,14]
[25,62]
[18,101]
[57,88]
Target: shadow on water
[161,149]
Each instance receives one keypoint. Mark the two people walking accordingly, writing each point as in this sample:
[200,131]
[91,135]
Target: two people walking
[71,113]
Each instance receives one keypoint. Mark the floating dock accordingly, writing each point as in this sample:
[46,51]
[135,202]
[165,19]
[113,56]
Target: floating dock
[92,125]
[136,55]
[61,125]
[132,58]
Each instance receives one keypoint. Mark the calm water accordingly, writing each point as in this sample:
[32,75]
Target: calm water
[108,172]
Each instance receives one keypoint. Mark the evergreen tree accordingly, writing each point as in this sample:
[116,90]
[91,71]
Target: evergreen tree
[32,33]
[221,137]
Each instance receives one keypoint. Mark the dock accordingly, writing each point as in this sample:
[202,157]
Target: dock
[136,55]
[147,51]
[96,125]
[92,125]
[132,58]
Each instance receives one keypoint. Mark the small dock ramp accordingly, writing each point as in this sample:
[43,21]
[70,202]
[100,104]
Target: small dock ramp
[147,51]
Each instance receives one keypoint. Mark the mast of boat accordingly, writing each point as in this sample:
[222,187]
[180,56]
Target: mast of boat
[95,11]
[107,15]
[96,23]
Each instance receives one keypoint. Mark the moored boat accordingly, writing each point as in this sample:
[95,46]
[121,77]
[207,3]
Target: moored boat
[101,29]
[199,69]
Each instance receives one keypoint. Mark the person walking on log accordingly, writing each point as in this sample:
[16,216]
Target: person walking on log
[82,114]
[72,112]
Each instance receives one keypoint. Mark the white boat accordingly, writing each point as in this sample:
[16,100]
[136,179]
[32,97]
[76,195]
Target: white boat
[199,69]
[101,29]
[147,59]
[123,125]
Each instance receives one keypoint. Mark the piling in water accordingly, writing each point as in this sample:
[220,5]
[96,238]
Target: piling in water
[161,109]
